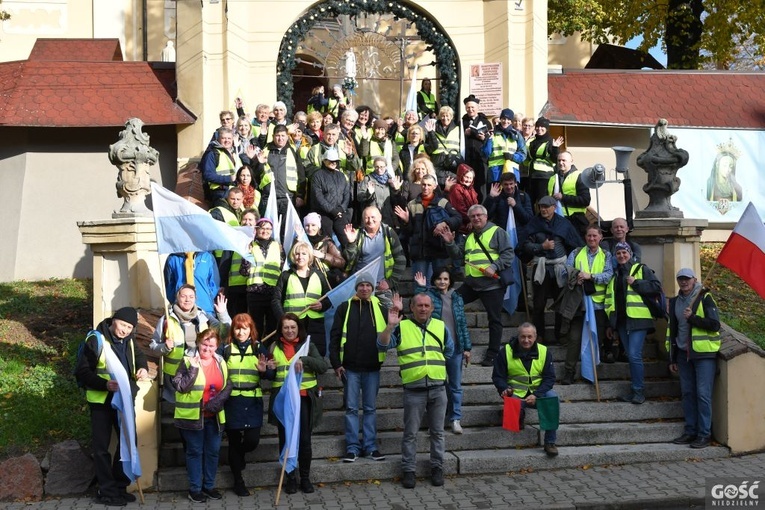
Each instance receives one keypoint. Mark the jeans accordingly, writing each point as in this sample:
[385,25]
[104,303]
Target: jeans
[454,386]
[697,377]
[492,301]
[368,384]
[415,404]
[202,452]
[633,347]
[427,266]
[550,435]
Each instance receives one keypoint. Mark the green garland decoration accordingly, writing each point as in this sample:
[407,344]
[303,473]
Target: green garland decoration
[440,44]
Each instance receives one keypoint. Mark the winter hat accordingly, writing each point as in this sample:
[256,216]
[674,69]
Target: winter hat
[623,246]
[379,123]
[127,314]
[312,219]
[364,278]
[507,113]
[542,122]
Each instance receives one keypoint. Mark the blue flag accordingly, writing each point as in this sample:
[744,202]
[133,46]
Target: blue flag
[346,291]
[589,353]
[287,410]
[513,292]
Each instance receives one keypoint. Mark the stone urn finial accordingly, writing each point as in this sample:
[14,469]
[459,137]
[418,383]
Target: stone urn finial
[661,161]
[133,157]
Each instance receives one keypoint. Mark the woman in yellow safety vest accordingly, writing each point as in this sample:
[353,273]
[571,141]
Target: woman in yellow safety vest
[246,361]
[291,339]
[176,332]
[202,387]
[298,291]
[628,315]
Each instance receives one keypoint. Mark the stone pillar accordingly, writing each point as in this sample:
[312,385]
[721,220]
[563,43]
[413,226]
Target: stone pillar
[127,272]
[669,244]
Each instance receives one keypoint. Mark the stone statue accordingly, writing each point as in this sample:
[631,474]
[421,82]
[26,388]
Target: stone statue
[350,64]
[168,52]
[661,161]
[133,156]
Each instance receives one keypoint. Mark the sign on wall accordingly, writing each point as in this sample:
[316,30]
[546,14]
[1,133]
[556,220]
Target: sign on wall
[486,84]
[725,171]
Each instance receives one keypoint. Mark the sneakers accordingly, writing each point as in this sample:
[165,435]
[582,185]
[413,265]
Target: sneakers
[638,398]
[701,442]
[436,477]
[551,450]
[350,457]
[305,485]
[626,398]
[408,481]
[212,494]
[456,427]
[110,500]
[197,497]
[376,455]
[684,439]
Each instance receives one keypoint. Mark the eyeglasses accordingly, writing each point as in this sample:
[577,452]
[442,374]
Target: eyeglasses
[226,118]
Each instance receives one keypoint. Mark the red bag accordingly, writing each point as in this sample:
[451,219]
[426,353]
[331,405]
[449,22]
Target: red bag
[511,415]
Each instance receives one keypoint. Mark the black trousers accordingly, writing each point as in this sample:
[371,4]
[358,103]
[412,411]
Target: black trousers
[112,481]
[259,308]
[492,301]
[240,443]
[305,452]
[547,290]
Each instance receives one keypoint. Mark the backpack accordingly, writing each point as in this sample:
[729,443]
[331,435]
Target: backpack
[81,352]
[656,303]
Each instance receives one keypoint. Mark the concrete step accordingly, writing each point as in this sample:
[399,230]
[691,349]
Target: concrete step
[533,459]
[457,462]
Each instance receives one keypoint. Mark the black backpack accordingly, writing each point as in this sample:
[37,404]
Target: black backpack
[656,303]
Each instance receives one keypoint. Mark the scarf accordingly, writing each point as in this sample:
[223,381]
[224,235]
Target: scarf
[381,178]
[189,324]
[249,195]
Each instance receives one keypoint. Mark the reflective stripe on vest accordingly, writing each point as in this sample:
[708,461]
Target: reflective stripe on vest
[316,153]
[388,260]
[243,370]
[475,256]
[296,299]
[521,380]
[420,355]
[451,141]
[500,145]
[374,151]
[567,188]
[379,326]
[636,309]
[702,341]
[265,270]
[283,364]
[540,162]
[333,106]
[582,263]
[229,218]
[226,166]
[235,278]
[429,100]
[291,171]
[188,406]
[172,359]
[96,396]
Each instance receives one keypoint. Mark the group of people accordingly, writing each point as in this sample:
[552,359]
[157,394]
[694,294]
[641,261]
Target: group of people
[233,322]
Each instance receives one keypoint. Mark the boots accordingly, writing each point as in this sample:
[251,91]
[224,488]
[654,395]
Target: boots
[305,479]
[291,483]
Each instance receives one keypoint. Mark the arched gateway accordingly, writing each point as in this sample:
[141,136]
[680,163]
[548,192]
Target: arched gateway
[371,47]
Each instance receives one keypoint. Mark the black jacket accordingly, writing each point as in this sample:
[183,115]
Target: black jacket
[360,353]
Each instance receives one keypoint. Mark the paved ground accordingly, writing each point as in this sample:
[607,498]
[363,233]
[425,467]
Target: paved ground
[650,485]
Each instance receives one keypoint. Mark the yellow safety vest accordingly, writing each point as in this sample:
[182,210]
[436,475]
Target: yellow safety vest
[581,262]
[333,106]
[451,141]
[292,174]
[475,256]
[430,102]
[96,396]
[172,359]
[540,163]
[283,364]
[421,351]
[266,269]
[500,145]
[374,151]
[523,381]
[243,370]
[227,166]
[702,340]
[636,309]
[188,406]
[379,326]
[296,299]
[567,188]
[388,261]
[316,153]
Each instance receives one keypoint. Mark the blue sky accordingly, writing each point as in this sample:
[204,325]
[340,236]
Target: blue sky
[656,51]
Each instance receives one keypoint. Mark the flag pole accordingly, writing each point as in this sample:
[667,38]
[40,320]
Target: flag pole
[594,366]
[165,302]
[709,275]
[281,475]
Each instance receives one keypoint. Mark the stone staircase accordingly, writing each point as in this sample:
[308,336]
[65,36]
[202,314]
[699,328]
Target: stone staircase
[590,433]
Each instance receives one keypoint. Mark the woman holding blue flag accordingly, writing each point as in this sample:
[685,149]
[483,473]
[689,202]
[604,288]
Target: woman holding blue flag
[292,336]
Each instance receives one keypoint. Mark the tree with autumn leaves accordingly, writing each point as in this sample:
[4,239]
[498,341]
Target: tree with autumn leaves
[695,34]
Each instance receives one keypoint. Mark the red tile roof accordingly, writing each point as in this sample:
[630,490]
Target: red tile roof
[77,50]
[639,98]
[86,93]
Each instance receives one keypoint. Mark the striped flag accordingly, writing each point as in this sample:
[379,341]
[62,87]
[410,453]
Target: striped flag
[744,251]
[411,98]
[272,211]
[293,231]
[513,292]
[589,349]
[287,410]
[123,402]
[182,226]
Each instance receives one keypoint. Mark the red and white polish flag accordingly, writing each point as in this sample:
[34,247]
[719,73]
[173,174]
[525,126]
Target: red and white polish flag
[744,252]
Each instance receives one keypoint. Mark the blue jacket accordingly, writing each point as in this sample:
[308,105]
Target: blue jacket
[462,336]
[206,278]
